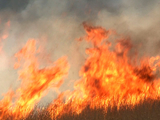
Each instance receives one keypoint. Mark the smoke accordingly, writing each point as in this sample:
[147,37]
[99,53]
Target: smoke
[139,24]
[58,23]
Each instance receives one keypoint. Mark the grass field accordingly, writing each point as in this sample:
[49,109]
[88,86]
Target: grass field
[149,110]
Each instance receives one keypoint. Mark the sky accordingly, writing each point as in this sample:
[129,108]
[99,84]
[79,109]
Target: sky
[58,23]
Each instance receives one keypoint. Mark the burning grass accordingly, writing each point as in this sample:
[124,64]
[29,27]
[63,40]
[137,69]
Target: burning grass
[148,110]
[110,82]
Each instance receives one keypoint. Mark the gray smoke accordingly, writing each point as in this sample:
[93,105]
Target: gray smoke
[59,23]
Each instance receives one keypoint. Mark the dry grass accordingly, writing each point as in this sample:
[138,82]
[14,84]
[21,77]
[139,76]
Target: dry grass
[149,110]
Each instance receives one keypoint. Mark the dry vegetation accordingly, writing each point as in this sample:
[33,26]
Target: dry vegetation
[149,110]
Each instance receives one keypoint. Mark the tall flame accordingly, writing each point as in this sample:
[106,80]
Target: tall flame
[35,81]
[109,78]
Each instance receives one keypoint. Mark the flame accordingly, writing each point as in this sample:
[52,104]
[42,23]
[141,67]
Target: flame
[109,78]
[5,104]
[5,32]
[35,81]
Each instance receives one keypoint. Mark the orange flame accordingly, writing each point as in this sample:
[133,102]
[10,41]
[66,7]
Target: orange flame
[109,78]
[5,32]
[35,81]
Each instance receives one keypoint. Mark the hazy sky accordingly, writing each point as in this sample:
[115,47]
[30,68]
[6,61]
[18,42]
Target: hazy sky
[59,23]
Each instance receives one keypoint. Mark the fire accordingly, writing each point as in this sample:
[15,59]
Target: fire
[109,78]
[5,104]
[35,81]
[5,32]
